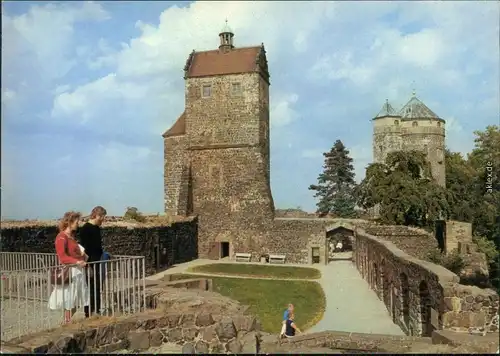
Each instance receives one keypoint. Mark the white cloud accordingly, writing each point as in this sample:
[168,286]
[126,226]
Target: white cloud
[330,65]
[282,112]
[44,36]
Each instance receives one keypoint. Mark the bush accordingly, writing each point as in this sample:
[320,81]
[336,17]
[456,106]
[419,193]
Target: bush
[452,261]
[487,247]
[133,213]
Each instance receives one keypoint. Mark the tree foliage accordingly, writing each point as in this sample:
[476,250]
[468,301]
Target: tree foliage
[132,213]
[474,193]
[404,189]
[336,184]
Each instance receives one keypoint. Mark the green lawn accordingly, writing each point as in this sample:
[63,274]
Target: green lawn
[240,269]
[268,299]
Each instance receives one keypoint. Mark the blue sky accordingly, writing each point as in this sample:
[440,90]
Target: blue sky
[88,88]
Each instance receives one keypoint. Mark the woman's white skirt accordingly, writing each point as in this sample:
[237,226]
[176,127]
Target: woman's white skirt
[73,295]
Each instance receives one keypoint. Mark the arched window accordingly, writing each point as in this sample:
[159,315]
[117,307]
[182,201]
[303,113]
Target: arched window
[414,124]
[439,124]
[396,122]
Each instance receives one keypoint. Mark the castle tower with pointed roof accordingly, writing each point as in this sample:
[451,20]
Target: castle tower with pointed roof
[217,162]
[413,127]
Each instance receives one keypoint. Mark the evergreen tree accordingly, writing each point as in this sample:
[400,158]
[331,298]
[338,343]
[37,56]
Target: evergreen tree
[335,188]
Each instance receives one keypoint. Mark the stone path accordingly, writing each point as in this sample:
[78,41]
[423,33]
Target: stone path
[351,305]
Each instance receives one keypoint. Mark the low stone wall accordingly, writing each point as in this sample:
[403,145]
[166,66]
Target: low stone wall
[420,296]
[329,342]
[162,245]
[200,332]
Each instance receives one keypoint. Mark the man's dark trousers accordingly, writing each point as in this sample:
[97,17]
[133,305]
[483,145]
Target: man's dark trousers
[94,290]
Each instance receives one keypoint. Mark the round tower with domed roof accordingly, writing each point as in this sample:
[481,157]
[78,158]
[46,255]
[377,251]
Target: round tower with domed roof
[414,127]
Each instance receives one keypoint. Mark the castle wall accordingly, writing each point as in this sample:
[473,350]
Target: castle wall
[162,244]
[231,195]
[386,137]
[428,136]
[223,118]
[228,143]
[176,175]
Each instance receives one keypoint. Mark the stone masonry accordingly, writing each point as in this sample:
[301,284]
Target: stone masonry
[162,244]
[413,128]
[217,153]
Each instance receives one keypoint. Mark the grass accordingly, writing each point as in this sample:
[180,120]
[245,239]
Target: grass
[256,271]
[268,299]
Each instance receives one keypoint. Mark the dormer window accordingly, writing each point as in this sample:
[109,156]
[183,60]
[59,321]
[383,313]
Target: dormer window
[236,89]
[206,90]
[414,124]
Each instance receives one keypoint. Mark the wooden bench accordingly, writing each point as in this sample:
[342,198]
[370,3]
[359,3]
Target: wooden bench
[277,258]
[245,257]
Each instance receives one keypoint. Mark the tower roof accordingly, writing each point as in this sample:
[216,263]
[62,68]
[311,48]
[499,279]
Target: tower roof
[178,128]
[226,29]
[238,60]
[387,110]
[415,109]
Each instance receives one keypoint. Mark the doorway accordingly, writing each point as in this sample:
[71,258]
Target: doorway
[315,255]
[224,249]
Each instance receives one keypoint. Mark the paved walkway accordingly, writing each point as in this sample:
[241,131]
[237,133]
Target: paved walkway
[351,305]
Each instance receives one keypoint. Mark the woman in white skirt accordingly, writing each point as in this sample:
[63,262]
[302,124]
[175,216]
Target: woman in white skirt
[75,293]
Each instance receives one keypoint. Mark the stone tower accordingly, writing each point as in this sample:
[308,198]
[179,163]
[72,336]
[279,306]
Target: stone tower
[217,152]
[414,127]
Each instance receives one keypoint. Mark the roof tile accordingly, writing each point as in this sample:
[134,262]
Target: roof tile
[215,62]
[178,128]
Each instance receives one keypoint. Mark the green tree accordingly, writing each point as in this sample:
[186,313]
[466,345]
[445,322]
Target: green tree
[485,160]
[460,183]
[335,188]
[132,213]
[404,189]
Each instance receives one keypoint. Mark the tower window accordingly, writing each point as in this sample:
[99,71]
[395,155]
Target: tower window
[206,91]
[414,124]
[236,89]
[439,124]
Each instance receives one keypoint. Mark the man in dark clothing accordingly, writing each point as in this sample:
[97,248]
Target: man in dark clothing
[91,240]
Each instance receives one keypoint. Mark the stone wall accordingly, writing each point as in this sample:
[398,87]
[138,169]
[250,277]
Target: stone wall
[457,232]
[161,245]
[199,332]
[420,296]
[296,237]
[392,133]
[336,342]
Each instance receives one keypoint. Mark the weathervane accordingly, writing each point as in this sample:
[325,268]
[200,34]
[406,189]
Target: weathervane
[414,92]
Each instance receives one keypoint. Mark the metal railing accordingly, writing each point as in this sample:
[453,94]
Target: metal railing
[32,299]
[14,261]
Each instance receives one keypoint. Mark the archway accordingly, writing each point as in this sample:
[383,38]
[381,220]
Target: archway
[374,279]
[339,243]
[384,277]
[405,299]
[425,309]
